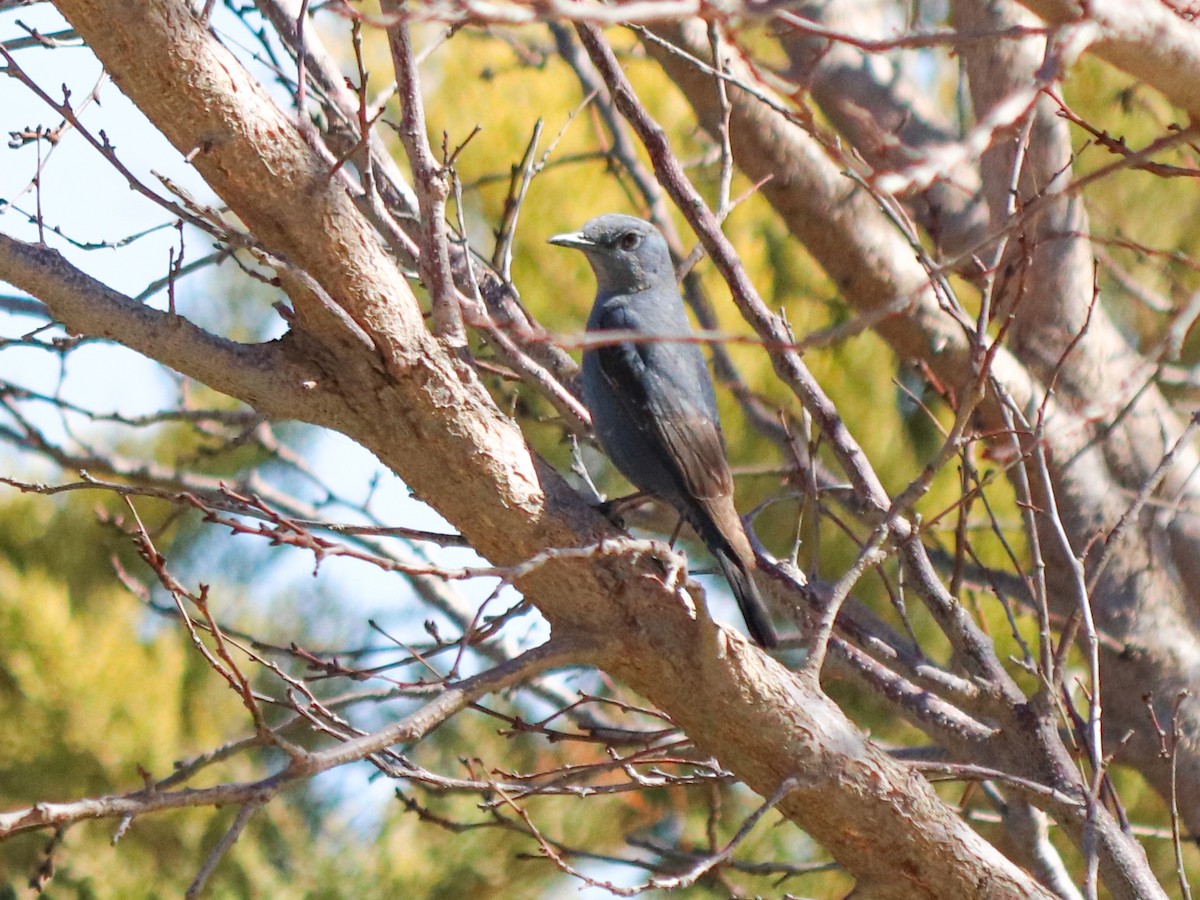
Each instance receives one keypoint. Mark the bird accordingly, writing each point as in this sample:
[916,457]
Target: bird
[651,398]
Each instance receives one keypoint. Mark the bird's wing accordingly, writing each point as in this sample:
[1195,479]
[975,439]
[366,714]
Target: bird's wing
[685,433]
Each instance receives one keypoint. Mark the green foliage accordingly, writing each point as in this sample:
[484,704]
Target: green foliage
[1140,226]
[94,705]
[95,690]
[100,687]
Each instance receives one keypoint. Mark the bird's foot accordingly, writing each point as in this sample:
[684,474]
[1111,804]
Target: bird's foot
[614,510]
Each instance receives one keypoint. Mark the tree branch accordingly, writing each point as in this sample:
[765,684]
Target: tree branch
[261,375]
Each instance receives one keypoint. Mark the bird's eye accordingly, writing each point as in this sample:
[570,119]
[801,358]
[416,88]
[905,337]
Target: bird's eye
[629,240]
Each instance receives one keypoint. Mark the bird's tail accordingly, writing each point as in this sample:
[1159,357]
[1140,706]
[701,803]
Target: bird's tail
[754,610]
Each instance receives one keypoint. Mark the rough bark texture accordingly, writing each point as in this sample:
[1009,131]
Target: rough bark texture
[384,381]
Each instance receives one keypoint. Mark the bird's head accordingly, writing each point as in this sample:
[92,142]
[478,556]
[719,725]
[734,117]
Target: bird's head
[627,254]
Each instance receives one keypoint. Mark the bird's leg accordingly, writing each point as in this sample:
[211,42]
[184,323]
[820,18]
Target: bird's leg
[675,534]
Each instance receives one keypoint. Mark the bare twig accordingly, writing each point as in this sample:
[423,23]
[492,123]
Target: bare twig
[432,185]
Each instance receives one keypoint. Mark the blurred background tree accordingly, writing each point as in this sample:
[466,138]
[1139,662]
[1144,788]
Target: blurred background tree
[270,525]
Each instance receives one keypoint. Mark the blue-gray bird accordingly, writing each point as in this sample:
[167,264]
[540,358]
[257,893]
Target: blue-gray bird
[652,400]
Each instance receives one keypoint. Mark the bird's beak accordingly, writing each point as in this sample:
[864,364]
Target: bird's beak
[572,239]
